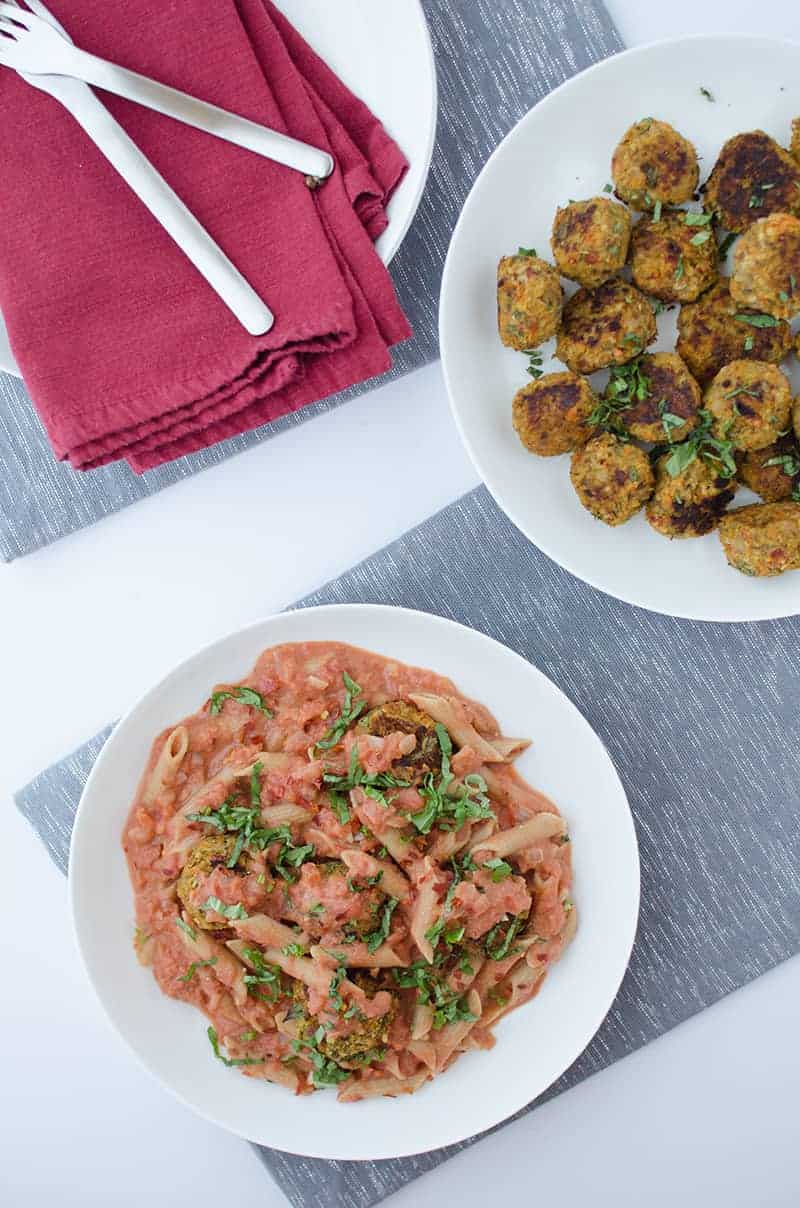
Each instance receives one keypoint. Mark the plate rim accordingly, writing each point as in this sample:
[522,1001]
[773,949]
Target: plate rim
[78,853]
[393,245]
[496,489]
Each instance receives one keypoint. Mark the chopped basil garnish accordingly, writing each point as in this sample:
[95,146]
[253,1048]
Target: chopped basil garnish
[498,868]
[214,1041]
[195,965]
[757,320]
[375,938]
[353,706]
[228,912]
[245,696]
[497,943]
[190,931]
[263,980]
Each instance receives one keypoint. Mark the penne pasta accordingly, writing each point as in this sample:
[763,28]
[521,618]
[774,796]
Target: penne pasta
[169,759]
[369,1088]
[506,842]
[393,881]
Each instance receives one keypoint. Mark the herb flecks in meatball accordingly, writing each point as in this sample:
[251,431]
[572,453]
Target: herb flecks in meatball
[590,240]
[689,502]
[529,300]
[766,267]
[774,471]
[762,539]
[655,397]
[674,256]
[750,403]
[715,330]
[653,163]
[612,478]
[753,177]
[551,415]
[605,326]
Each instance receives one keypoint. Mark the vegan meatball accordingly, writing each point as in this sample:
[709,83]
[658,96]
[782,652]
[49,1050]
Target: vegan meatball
[655,397]
[766,266]
[689,503]
[750,403]
[762,539]
[612,478]
[206,855]
[753,177]
[774,471]
[715,330]
[796,408]
[605,326]
[551,415]
[408,719]
[653,163]
[795,143]
[590,240]
[671,259]
[529,300]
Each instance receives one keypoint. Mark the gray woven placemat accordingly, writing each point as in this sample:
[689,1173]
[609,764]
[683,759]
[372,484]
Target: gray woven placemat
[702,723]
[494,59]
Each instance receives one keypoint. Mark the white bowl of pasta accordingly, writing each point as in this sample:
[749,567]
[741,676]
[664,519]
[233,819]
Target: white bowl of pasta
[338,884]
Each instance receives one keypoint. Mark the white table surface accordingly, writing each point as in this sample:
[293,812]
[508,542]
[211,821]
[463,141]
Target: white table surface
[706,1115]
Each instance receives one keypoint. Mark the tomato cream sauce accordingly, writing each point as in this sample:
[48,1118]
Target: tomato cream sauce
[336,862]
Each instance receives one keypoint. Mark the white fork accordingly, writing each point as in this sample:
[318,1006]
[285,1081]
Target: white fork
[151,189]
[37,46]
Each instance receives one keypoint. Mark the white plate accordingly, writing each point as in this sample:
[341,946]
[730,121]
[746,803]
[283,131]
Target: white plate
[400,88]
[534,1045]
[560,150]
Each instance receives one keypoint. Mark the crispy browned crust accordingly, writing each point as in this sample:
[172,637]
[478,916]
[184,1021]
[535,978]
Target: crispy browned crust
[653,162]
[605,326]
[551,415]
[690,504]
[766,266]
[771,481]
[762,539]
[667,264]
[753,177]
[590,240]
[612,478]
[672,389]
[710,336]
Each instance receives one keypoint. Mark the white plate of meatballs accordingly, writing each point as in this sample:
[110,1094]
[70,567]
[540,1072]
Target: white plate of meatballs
[620,326]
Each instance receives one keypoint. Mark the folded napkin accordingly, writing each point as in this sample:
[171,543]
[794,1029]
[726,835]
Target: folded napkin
[125,349]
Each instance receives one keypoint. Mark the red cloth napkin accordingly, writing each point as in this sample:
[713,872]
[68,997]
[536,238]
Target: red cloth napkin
[125,349]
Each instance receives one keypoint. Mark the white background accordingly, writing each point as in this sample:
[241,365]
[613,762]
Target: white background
[708,1114]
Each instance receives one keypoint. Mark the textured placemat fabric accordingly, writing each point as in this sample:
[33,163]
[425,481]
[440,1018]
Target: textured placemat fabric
[494,59]
[702,723]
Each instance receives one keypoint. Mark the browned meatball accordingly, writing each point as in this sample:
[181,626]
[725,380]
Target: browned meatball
[551,415]
[772,472]
[795,144]
[605,326]
[766,266]
[399,715]
[690,503]
[796,407]
[612,478]
[590,240]
[762,539]
[750,403]
[529,301]
[753,177]
[652,395]
[653,163]
[672,260]
[715,330]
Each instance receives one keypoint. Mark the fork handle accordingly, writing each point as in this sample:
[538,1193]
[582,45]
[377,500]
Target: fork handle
[200,114]
[165,206]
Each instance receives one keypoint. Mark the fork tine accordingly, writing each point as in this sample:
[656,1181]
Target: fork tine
[14,12]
